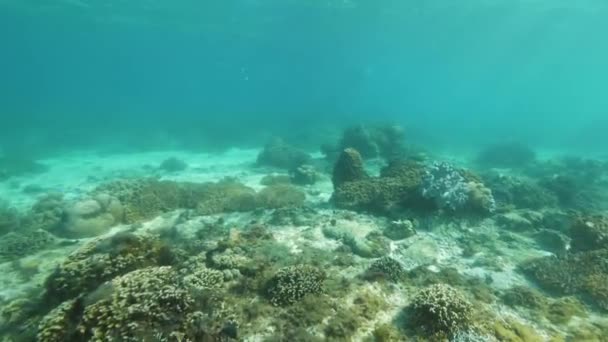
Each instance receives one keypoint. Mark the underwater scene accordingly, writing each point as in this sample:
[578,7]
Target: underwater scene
[303,170]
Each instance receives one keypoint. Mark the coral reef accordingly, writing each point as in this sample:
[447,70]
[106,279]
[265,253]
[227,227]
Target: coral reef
[397,187]
[58,325]
[583,274]
[146,198]
[506,155]
[281,155]
[138,306]
[15,245]
[441,308]
[444,184]
[386,268]
[101,260]
[48,213]
[450,190]
[280,196]
[9,218]
[290,284]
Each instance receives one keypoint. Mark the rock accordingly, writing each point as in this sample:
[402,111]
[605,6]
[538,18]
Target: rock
[304,175]
[173,165]
[516,221]
[553,241]
[399,230]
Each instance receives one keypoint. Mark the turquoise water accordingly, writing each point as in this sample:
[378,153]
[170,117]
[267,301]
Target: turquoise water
[457,74]
[303,170]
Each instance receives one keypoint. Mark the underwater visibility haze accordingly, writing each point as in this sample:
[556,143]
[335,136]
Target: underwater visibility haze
[303,170]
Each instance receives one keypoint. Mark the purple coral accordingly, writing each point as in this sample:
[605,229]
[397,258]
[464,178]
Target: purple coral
[445,185]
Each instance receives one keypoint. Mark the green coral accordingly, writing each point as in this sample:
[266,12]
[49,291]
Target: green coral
[440,308]
[290,284]
[47,213]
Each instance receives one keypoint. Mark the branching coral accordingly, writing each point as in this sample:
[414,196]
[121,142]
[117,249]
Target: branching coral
[290,284]
[387,268]
[140,305]
[441,308]
[102,260]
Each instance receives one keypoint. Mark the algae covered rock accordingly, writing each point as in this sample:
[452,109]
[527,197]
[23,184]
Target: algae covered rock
[348,168]
[48,213]
[304,175]
[15,245]
[93,216]
[280,196]
[290,284]
[9,218]
[173,164]
[589,233]
[583,274]
[399,230]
